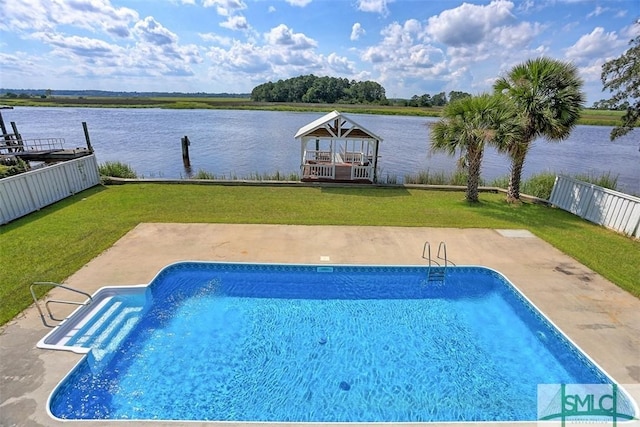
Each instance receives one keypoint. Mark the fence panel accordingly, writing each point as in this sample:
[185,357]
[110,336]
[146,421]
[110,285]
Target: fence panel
[618,211]
[33,190]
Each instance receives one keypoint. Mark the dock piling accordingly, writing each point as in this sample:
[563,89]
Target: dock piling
[16,134]
[86,136]
[185,152]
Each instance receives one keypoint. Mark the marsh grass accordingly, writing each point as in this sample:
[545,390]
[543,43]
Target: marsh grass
[255,176]
[605,180]
[203,174]
[538,185]
[458,177]
[117,170]
[277,176]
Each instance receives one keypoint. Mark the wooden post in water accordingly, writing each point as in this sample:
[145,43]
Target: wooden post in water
[86,136]
[17,138]
[185,152]
[3,128]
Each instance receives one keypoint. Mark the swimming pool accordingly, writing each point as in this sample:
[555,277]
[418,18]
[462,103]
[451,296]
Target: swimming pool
[267,342]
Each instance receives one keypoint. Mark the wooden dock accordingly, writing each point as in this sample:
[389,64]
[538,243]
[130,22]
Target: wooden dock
[50,156]
[46,150]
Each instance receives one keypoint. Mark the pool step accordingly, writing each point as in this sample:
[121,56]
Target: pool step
[106,344]
[108,325]
[94,323]
[103,322]
[437,274]
[103,328]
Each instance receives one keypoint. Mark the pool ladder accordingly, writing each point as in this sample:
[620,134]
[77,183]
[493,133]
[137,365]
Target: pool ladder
[436,271]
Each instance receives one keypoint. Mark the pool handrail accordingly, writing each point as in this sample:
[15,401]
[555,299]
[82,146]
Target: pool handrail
[48,301]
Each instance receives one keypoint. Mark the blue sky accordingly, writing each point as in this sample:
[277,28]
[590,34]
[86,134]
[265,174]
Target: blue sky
[409,47]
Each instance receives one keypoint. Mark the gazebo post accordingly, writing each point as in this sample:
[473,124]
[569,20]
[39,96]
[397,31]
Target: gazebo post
[303,143]
[375,161]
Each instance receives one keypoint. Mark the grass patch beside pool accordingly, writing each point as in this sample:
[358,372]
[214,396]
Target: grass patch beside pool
[53,243]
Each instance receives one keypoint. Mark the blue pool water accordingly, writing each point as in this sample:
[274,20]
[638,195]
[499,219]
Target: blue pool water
[344,343]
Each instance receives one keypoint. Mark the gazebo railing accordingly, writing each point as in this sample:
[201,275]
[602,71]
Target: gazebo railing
[353,157]
[362,172]
[318,171]
[317,156]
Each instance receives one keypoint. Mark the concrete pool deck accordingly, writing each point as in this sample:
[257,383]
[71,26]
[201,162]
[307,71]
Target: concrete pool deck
[602,319]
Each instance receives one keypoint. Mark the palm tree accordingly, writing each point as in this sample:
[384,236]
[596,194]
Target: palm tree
[547,93]
[467,124]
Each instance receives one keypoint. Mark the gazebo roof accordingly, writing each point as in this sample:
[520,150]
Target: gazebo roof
[332,125]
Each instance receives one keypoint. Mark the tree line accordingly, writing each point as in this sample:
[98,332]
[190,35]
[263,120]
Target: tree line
[436,100]
[313,89]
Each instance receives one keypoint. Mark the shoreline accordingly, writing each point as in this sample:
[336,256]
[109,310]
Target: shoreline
[589,117]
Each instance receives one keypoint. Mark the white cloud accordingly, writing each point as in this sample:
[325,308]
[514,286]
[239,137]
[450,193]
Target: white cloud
[46,15]
[526,5]
[244,57]
[621,14]
[153,32]
[271,9]
[515,37]
[403,35]
[237,23]
[298,3]
[340,64]
[225,7]
[357,31]
[284,36]
[374,6]
[79,46]
[459,48]
[216,39]
[491,34]
[597,44]
[470,24]
[592,71]
[632,31]
[15,62]
[599,10]
[277,59]
[405,50]
[155,53]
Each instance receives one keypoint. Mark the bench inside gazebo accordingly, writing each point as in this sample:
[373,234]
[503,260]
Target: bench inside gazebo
[335,148]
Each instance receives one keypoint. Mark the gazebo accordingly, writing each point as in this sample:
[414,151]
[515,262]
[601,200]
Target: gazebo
[335,148]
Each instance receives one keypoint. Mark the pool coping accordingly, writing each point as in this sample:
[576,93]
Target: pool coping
[597,316]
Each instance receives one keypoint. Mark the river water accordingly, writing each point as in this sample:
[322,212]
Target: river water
[238,143]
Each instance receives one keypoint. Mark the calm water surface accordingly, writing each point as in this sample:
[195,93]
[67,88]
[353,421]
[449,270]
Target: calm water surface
[234,143]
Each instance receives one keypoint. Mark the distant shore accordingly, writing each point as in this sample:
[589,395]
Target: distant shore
[589,116]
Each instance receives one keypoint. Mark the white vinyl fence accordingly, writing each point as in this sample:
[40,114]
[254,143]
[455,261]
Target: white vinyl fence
[618,211]
[27,192]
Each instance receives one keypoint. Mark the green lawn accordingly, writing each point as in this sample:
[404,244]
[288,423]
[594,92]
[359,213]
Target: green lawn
[53,243]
